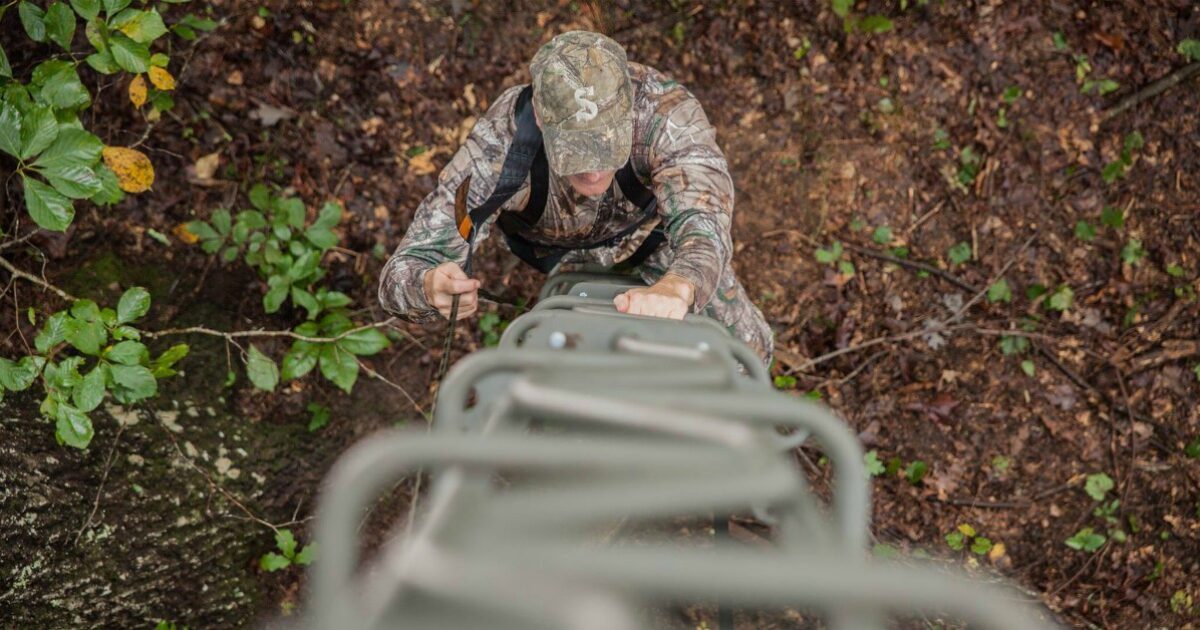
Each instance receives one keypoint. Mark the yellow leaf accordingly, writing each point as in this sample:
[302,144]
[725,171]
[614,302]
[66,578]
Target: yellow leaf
[134,171]
[137,91]
[967,530]
[182,233]
[161,79]
[997,552]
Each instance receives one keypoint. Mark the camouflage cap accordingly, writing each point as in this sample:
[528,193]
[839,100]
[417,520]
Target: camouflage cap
[583,99]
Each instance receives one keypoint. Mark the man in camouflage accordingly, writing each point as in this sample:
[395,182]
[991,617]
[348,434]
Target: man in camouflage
[596,111]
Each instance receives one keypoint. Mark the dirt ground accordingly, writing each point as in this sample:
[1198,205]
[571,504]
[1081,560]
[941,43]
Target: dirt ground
[966,123]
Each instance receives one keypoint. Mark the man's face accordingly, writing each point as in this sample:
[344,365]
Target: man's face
[591,184]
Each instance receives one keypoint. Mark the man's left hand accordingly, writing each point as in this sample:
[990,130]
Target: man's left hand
[670,297]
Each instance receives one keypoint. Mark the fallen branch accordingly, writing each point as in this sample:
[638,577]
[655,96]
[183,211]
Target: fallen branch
[230,336]
[36,280]
[911,264]
[1152,90]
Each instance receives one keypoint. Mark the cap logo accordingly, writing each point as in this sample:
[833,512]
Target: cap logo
[587,109]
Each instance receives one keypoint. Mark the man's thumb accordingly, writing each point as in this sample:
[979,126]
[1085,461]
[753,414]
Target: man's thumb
[621,302]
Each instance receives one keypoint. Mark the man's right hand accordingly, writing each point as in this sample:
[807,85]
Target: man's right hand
[445,281]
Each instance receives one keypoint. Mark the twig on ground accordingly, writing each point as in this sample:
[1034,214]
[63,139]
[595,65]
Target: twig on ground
[201,330]
[1003,505]
[1152,90]
[36,280]
[17,241]
[99,490]
[1127,481]
[981,292]
[373,374]
[912,334]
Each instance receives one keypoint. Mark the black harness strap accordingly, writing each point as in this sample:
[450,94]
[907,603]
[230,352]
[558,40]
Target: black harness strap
[527,157]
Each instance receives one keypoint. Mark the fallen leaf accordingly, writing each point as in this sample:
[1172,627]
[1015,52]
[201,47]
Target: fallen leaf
[269,115]
[997,552]
[235,78]
[205,167]
[161,79]
[137,91]
[134,171]
[371,125]
[469,95]
[422,164]
[182,233]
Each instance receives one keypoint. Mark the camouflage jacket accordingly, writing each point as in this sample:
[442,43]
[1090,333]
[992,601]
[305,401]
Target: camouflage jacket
[675,154]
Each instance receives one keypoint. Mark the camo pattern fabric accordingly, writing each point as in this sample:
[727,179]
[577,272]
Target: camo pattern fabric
[583,97]
[674,153]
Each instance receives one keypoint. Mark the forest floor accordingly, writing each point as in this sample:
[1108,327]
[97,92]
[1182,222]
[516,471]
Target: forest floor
[967,145]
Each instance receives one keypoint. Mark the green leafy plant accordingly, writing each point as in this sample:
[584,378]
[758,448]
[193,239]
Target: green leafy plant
[882,235]
[276,240]
[492,326]
[1009,97]
[285,542]
[873,24]
[1062,299]
[278,243]
[1117,168]
[941,139]
[981,545]
[836,255]
[785,381]
[1181,602]
[959,253]
[916,471]
[1084,231]
[969,163]
[1083,70]
[964,534]
[874,466]
[1132,253]
[1097,485]
[86,353]
[1001,464]
[1028,367]
[1013,344]
[1060,42]
[319,416]
[1087,540]
[58,159]
[999,291]
[1189,48]
[1112,217]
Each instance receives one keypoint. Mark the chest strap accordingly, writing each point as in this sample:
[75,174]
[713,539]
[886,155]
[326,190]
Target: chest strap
[526,157]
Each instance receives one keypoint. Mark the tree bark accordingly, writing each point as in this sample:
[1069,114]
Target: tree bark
[163,543]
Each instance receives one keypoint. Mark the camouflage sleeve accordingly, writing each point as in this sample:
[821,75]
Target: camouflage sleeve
[695,196]
[432,237]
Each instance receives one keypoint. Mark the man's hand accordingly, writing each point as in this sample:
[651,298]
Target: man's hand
[670,297]
[445,281]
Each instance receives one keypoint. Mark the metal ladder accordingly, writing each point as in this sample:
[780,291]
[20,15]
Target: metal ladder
[585,421]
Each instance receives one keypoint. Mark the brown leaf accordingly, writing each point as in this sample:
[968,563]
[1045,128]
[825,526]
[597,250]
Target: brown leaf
[204,168]
[182,233]
[422,164]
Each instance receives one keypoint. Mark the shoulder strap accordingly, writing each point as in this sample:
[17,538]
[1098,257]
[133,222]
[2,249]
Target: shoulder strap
[523,153]
[634,190]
